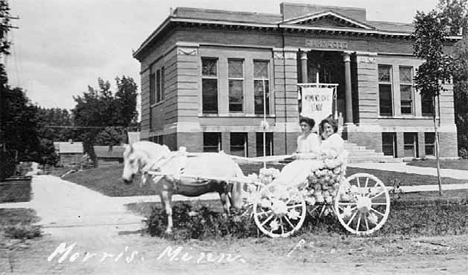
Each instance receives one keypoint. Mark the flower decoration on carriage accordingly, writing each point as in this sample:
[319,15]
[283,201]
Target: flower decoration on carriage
[253,177]
[372,218]
[267,175]
[274,225]
[324,180]
[293,214]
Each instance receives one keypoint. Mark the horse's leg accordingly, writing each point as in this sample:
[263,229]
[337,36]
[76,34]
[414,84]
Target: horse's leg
[166,199]
[223,195]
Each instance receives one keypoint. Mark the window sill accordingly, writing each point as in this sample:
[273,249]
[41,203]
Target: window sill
[404,117]
[157,104]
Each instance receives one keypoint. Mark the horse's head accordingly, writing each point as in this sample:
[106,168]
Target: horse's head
[142,156]
[131,164]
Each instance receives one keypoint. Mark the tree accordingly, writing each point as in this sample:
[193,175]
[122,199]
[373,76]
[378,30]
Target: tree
[126,99]
[55,124]
[430,32]
[103,115]
[453,12]
[18,131]
[4,27]
[461,95]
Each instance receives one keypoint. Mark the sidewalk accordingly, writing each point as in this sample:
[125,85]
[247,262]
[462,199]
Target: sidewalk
[404,168]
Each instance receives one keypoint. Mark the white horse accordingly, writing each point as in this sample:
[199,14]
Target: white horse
[212,170]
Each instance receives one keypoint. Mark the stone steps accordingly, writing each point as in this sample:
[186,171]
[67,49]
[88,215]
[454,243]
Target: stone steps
[359,154]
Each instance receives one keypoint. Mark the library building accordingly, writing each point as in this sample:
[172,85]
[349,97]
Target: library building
[215,80]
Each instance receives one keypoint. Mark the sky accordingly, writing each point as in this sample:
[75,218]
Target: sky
[63,46]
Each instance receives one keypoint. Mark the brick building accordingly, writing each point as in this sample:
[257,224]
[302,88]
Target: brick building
[208,75]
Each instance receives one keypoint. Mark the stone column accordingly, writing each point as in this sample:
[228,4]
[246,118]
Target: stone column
[348,98]
[304,78]
[286,104]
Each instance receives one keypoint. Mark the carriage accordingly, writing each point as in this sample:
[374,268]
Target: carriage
[361,201]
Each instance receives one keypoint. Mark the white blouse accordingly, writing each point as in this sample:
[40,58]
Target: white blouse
[308,144]
[332,146]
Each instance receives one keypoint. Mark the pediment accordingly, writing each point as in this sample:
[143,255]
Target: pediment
[329,19]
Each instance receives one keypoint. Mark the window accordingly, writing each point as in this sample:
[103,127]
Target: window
[236,85]
[385,90]
[239,144]
[269,144]
[152,88]
[429,144]
[158,86]
[161,96]
[406,89]
[209,86]
[427,105]
[211,142]
[410,145]
[151,118]
[261,88]
[389,144]
[157,139]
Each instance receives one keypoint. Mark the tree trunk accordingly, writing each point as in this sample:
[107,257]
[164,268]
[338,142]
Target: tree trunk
[437,149]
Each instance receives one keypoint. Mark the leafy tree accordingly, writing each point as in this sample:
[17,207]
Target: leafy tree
[461,95]
[55,124]
[18,125]
[4,27]
[453,12]
[430,32]
[104,116]
[126,99]
[111,136]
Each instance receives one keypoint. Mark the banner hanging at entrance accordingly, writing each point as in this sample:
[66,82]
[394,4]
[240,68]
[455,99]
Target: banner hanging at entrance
[317,102]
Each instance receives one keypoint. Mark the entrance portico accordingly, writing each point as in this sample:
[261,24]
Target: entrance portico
[330,67]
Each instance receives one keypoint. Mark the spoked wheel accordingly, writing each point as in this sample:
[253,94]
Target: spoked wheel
[362,204]
[279,211]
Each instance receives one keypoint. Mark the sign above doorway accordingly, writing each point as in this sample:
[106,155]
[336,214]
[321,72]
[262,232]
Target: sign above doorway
[326,44]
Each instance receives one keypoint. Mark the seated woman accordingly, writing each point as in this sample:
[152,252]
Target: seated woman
[308,142]
[332,144]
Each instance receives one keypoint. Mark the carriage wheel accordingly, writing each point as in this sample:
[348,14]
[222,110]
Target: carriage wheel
[279,211]
[362,204]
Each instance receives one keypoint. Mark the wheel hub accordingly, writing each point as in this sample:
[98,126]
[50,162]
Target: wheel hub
[279,208]
[364,204]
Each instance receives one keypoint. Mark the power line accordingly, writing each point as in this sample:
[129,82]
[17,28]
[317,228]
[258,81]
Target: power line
[86,127]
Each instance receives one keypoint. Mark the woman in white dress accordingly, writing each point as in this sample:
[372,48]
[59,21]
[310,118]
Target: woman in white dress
[308,143]
[332,144]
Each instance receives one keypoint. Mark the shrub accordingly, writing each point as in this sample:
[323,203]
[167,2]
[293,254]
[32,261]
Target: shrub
[463,153]
[200,224]
[7,165]
[23,231]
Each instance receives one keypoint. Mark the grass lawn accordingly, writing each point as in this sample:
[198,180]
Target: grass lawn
[15,191]
[22,216]
[107,180]
[461,164]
